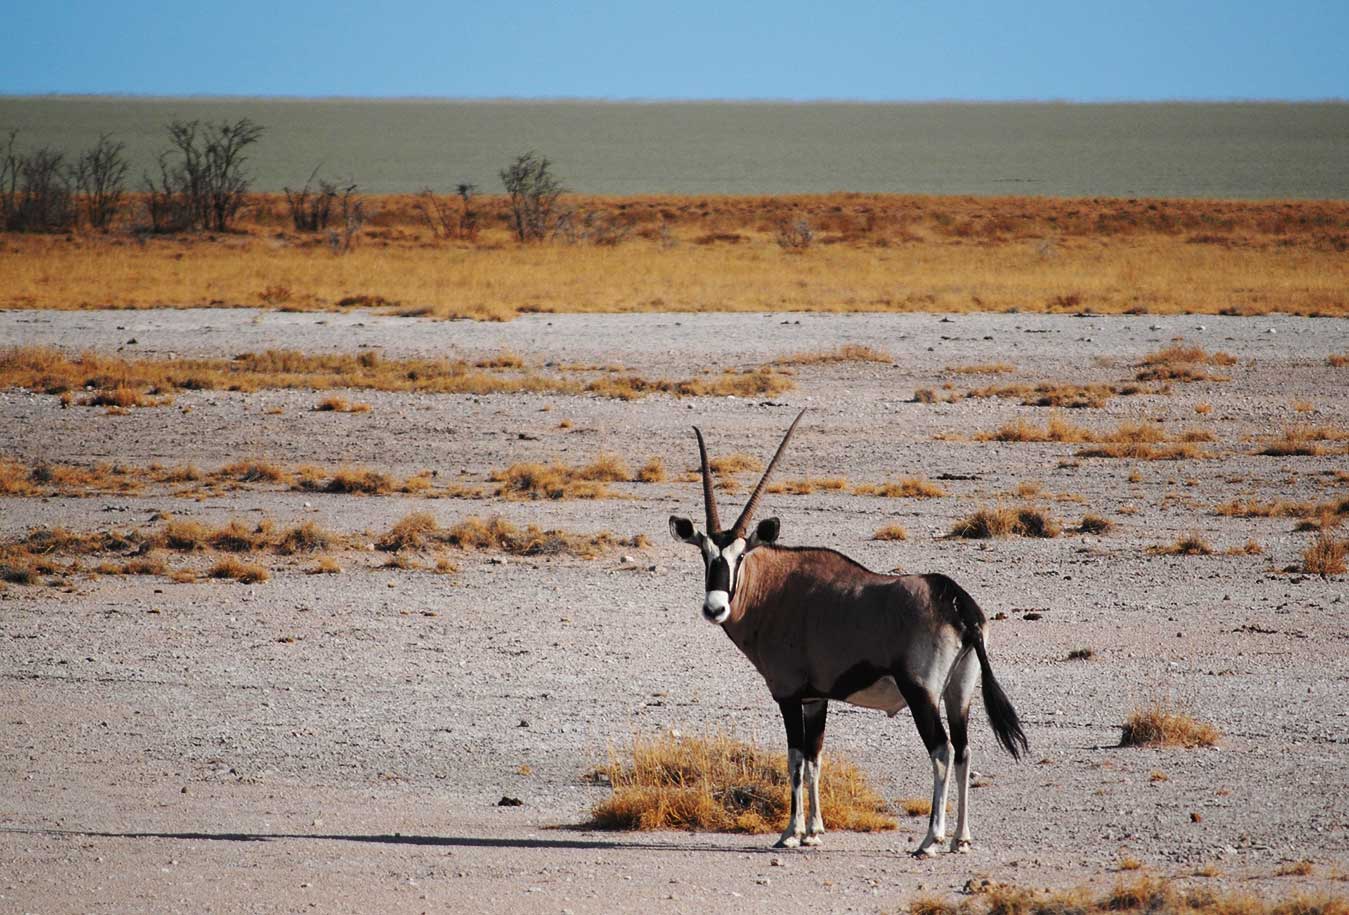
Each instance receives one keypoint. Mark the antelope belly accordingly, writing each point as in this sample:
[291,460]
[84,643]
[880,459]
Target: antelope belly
[883,694]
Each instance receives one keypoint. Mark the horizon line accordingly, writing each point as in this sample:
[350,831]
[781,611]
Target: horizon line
[666,100]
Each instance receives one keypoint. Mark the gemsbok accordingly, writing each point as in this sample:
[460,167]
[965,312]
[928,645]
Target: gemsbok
[819,626]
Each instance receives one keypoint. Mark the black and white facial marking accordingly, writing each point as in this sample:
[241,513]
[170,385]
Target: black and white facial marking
[723,552]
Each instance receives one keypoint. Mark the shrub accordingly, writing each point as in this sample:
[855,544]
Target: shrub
[891,532]
[99,175]
[1161,725]
[1326,555]
[244,572]
[533,191]
[1023,521]
[202,183]
[724,785]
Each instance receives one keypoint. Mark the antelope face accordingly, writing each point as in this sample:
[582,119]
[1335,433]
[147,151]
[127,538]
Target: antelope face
[723,552]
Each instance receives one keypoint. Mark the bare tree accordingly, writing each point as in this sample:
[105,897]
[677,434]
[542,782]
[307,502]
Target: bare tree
[468,218]
[35,192]
[341,239]
[100,178]
[203,179]
[438,215]
[311,211]
[533,191]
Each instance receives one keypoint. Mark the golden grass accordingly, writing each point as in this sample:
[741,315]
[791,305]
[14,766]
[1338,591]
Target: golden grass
[982,368]
[1146,441]
[334,404]
[244,572]
[891,532]
[1141,893]
[1302,868]
[1055,393]
[1337,360]
[1190,544]
[1006,521]
[1162,725]
[1308,441]
[51,371]
[1179,362]
[1095,524]
[719,784]
[804,486]
[877,253]
[739,462]
[905,488]
[1056,429]
[1326,555]
[653,471]
[325,565]
[848,352]
[420,530]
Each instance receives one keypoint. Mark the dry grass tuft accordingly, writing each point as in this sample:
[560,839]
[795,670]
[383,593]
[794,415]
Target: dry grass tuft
[653,471]
[1308,441]
[1337,360]
[849,352]
[719,784]
[558,481]
[1004,521]
[325,565]
[1326,555]
[420,530]
[1095,524]
[1056,429]
[334,404]
[891,532]
[1183,363]
[412,532]
[906,488]
[1161,725]
[739,462]
[1191,544]
[233,568]
[1302,868]
[983,368]
[807,485]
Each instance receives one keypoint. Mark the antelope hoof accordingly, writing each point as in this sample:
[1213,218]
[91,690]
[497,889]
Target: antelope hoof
[961,846]
[788,840]
[926,850]
[812,839]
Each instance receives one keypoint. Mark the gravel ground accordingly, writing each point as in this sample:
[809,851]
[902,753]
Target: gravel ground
[340,742]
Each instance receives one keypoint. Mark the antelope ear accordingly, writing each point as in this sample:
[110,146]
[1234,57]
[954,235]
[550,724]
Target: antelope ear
[766,531]
[681,529]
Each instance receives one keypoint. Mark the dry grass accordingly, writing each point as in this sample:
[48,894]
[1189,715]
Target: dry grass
[1301,868]
[325,565]
[1162,725]
[559,481]
[982,368]
[1005,521]
[420,530]
[876,253]
[51,371]
[1135,894]
[739,462]
[1326,555]
[1308,441]
[804,486]
[1095,524]
[653,471]
[891,532]
[1056,429]
[849,352]
[1055,393]
[720,784]
[233,568]
[1183,363]
[905,488]
[1337,360]
[1190,544]
[334,404]
[1146,441]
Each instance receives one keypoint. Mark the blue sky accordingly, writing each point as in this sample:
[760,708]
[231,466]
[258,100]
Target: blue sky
[898,50]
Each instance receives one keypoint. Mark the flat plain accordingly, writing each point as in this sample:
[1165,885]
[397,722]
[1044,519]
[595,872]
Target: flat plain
[343,740]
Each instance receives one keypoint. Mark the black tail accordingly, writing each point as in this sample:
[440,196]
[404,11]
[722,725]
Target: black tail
[1001,715]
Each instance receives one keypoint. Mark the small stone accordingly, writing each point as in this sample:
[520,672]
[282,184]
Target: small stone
[777,862]
[507,801]
[763,881]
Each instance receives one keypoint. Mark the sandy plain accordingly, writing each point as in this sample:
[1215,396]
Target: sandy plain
[340,742]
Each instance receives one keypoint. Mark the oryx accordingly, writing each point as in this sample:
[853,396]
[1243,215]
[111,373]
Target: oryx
[819,626]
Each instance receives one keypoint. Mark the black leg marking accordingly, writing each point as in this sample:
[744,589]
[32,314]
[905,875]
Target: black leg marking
[794,722]
[959,722]
[815,714]
[926,715]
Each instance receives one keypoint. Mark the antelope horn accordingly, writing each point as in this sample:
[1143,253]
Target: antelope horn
[742,524]
[709,500]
